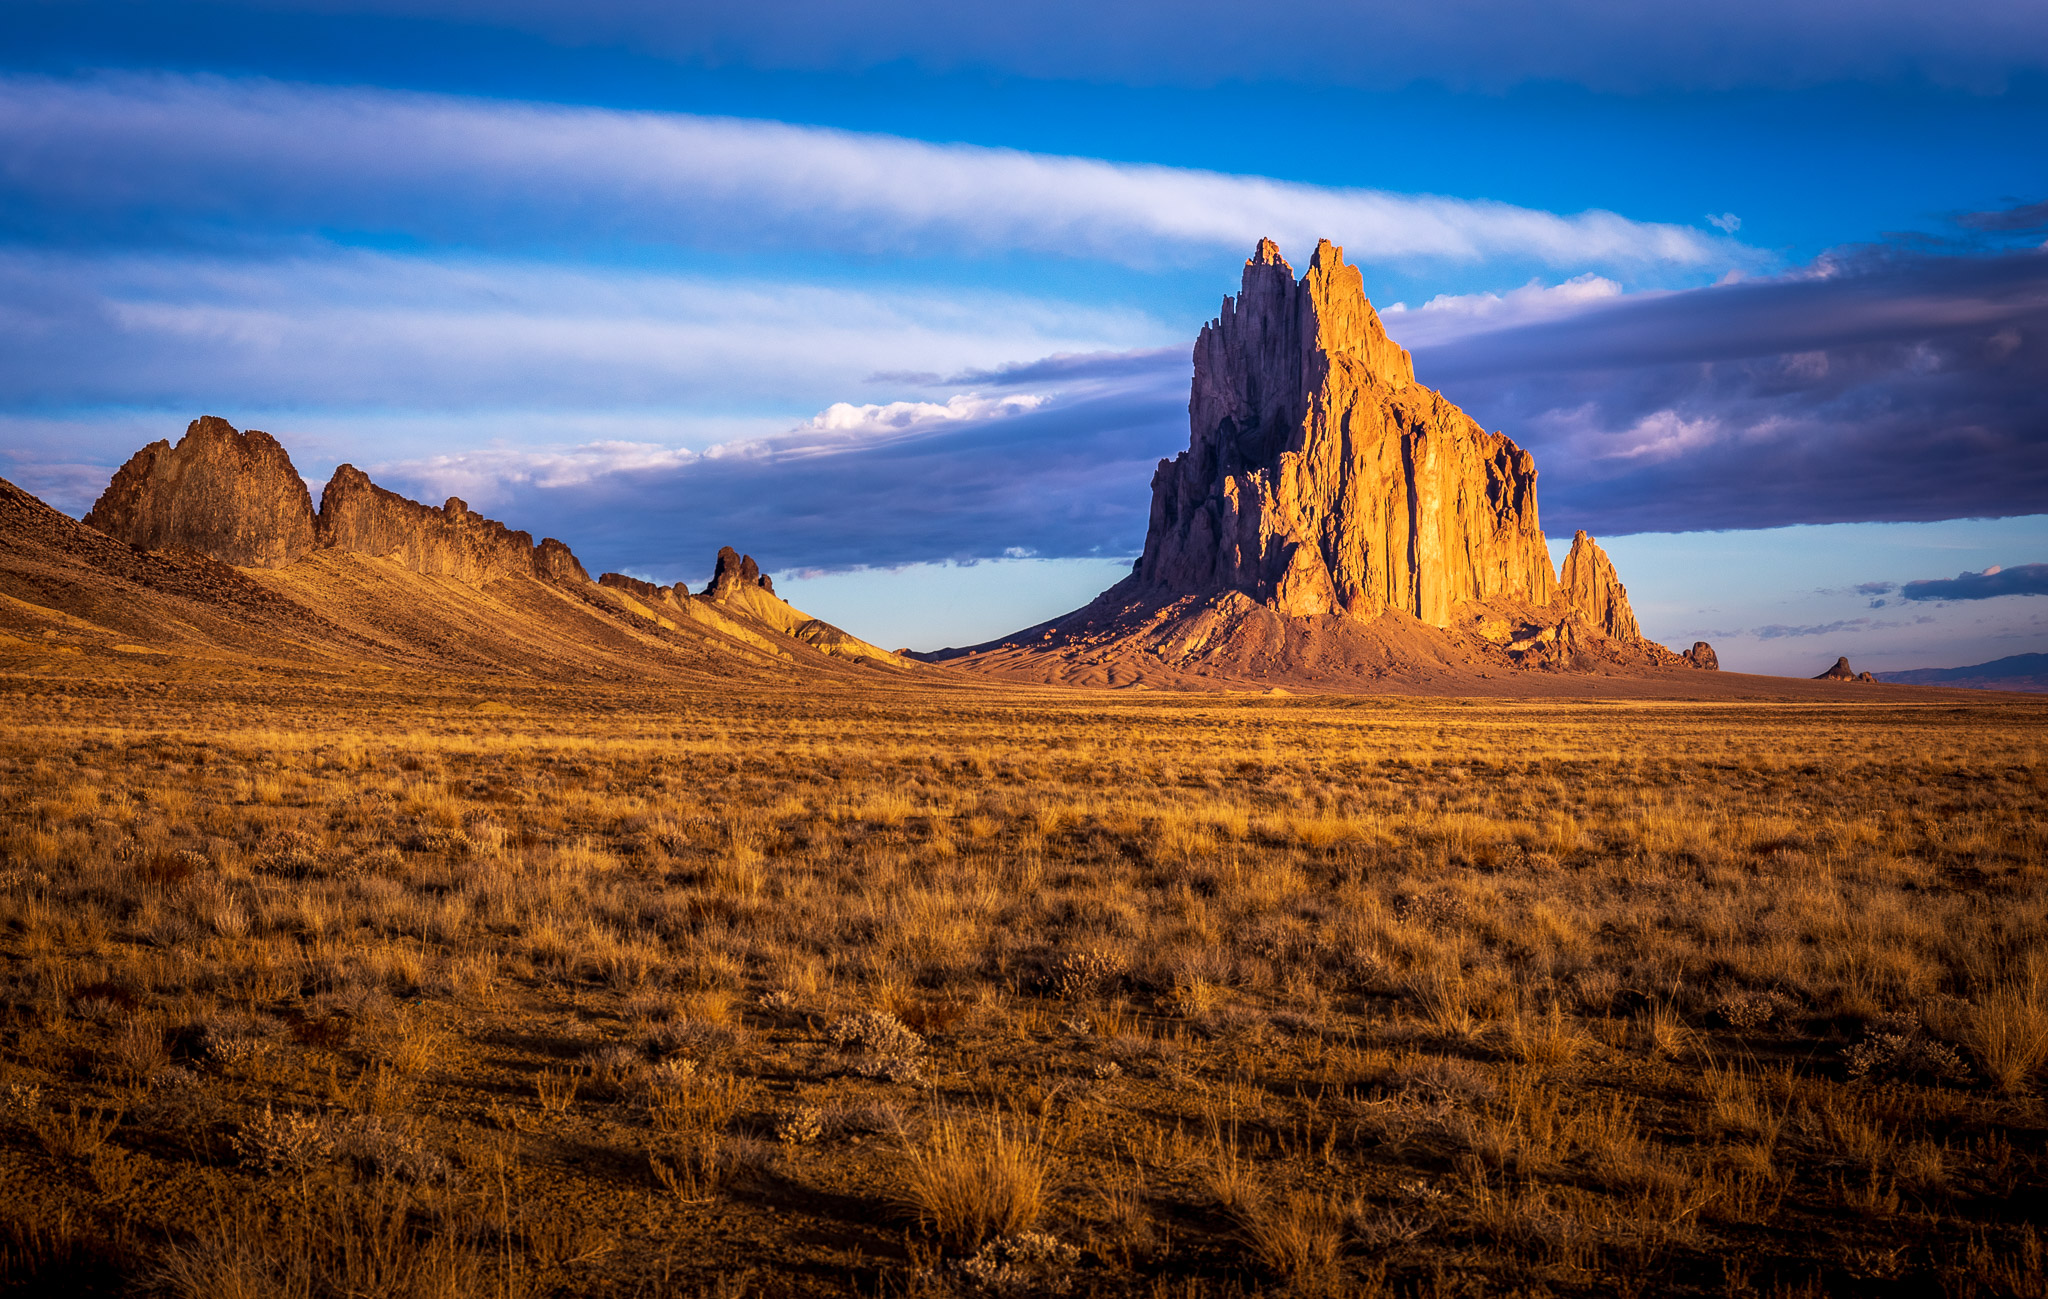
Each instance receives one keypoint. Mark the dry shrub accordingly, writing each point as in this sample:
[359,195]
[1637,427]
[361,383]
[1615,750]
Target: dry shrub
[971,1179]
[1546,1041]
[1299,1237]
[78,1133]
[358,1241]
[2008,1032]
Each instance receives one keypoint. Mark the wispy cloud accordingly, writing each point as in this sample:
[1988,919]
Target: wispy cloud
[191,153]
[379,331]
[2019,579]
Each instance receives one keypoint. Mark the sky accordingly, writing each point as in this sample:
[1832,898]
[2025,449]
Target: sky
[900,297]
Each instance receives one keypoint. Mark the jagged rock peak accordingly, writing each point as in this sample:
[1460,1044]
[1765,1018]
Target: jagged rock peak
[1321,478]
[737,570]
[231,496]
[358,516]
[1589,584]
[1701,655]
[1841,671]
[553,561]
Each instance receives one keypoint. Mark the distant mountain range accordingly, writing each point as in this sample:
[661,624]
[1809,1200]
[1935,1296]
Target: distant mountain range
[2019,672]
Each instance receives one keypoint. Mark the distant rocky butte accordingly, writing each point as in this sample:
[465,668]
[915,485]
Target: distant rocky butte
[235,497]
[1331,516]
[1841,671]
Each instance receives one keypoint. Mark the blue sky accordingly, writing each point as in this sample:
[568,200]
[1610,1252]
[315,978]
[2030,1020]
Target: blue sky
[899,297]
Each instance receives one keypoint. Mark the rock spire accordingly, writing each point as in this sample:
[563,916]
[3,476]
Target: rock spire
[1321,478]
[1588,584]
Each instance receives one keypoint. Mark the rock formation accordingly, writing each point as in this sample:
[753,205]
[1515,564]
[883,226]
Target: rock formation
[646,591]
[359,516]
[1332,521]
[1589,585]
[1841,671]
[554,562]
[236,498]
[1701,655]
[231,496]
[735,570]
[1321,478]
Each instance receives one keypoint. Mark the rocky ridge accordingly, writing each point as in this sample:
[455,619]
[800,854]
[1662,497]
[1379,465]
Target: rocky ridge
[235,498]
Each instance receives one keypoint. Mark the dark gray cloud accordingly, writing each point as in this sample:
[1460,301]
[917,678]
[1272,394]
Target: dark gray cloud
[2027,219]
[1886,385]
[1876,588]
[2020,579]
[1066,480]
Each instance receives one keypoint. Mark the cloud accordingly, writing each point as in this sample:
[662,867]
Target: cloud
[1876,588]
[385,332]
[1465,43]
[1447,316]
[1875,385]
[2019,579]
[184,157]
[1058,477]
[1727,223]
[867,421]
[1780,631]
[2028,219]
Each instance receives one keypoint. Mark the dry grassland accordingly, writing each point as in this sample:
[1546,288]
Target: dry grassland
[983,993]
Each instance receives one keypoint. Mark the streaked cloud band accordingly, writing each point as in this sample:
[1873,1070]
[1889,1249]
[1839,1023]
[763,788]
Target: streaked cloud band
[197,150]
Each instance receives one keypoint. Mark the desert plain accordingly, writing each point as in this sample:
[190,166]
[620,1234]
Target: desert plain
[441,986]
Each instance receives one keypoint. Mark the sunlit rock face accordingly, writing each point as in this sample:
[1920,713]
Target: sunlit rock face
[1588,584]
[359,516]
[1321,478]
[229,495]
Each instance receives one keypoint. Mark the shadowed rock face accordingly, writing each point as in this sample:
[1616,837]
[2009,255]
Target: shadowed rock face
[235,497]
[1702,655]
[1841,671]
[1321,478]
[1588,584]
[357,515]
[230,496]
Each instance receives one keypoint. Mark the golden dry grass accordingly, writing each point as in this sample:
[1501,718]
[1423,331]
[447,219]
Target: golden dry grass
[320,988]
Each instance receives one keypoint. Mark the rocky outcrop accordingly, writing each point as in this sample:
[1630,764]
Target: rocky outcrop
[453,541]
[1588,584]
[236,498]
[734,571]
[1701,655]
[646,591]
[1841,671]
[554,562]
[357,515]
[230,496]
[1321,478]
